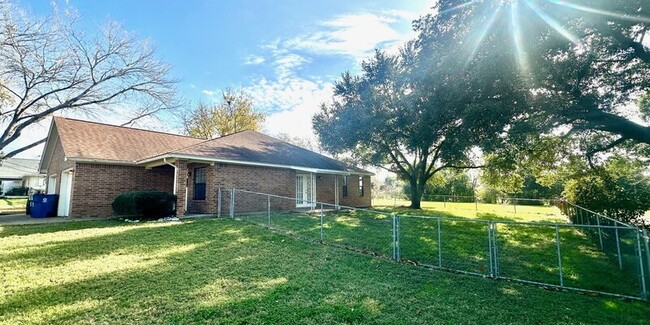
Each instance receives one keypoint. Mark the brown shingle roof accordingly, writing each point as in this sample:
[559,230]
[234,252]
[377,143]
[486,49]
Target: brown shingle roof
[90,140]
[96,141]
[251,146]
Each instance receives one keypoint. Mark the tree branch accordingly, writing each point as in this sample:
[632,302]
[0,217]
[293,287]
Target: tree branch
[25,148]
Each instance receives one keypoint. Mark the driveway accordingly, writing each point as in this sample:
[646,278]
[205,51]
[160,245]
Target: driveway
[22,219]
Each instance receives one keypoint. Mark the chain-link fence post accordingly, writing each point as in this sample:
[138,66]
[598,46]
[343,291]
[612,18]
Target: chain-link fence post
[321,222]
[439,244]
[219,203]
[399,246]
[647,253]
[232,203]
[488,226]
[393,218]
[600,233]
[644,292]
[618,248]
[559,254]
[495,246]
[268,208]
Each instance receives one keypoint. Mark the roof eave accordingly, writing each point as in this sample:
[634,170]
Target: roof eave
[251,163]
[102,161]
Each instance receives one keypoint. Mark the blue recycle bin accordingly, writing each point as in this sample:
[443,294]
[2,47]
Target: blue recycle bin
[44,205]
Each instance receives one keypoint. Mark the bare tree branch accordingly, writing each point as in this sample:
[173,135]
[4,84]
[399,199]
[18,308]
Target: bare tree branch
[48,66]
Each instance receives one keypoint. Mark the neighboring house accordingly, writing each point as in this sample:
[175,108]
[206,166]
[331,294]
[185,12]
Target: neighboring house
[88,164]
[20,172]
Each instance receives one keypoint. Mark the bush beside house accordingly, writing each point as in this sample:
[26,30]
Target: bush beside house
[145,204]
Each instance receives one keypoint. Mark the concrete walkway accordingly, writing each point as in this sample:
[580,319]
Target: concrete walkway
[22,219]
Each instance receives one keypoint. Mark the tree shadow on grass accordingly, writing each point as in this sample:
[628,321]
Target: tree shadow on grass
[199,254]
[24,230]
[238,273]
[525,251]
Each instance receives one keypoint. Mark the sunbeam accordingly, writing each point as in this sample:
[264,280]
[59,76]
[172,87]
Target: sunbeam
[460,6]
[553,23]
[517,37]
[640,19]
[484,33]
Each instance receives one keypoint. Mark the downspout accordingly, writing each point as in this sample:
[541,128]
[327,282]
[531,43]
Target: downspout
[175,181]
[175,173]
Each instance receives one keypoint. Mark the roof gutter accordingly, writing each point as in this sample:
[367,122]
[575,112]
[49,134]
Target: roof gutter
[249,163]
[102,161]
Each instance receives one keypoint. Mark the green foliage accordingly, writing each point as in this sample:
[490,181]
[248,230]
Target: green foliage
[145,204]
[448,182]
[489,195]
[618,190]
[418,112]
[644,106]
[18,191]
[235,112]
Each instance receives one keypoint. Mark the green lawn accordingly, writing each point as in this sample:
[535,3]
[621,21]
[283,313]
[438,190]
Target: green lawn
[525,252]
[233,272]
[12,204]
[474,210]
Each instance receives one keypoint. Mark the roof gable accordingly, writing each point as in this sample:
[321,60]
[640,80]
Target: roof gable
[96,141]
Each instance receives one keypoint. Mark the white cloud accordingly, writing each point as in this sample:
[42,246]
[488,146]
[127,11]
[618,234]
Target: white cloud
[208,92]
[355,35]
[254,60]
[287,65]
[292,103]
[292,99]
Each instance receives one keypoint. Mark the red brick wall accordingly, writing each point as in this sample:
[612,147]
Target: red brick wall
[325,190]
[277,181]
[96,186]
[209,205]
[57,165]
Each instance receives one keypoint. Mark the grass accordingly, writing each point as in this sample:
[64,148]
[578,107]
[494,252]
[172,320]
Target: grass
[525,252]
[476,210]
[232,272]
[12,204]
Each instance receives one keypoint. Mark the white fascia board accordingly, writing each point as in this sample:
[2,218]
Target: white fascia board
[250,163]
[47,143]
[102,161]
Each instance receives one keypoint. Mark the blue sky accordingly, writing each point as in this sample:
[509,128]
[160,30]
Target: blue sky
[283,53]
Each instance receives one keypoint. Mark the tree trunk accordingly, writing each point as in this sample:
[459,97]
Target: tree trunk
[416,195]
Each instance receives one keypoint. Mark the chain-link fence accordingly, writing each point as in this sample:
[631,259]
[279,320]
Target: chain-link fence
[599,255]
[502,205]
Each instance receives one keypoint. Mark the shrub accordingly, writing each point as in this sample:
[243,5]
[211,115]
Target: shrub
[617,196]
[17,191]
[145,204]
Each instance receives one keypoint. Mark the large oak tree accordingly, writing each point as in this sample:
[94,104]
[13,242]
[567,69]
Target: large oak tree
[421,111]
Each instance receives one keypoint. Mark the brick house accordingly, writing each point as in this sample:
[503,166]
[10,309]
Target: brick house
[88,164]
